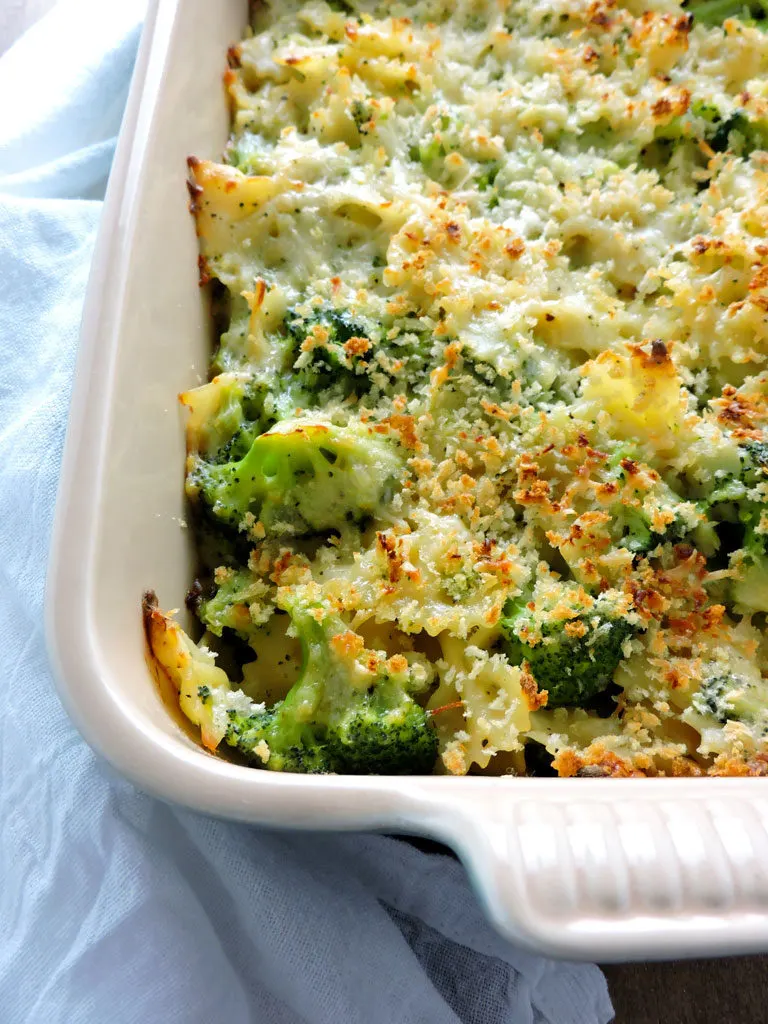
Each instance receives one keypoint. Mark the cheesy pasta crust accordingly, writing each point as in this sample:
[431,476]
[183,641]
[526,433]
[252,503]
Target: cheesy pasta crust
[504,267]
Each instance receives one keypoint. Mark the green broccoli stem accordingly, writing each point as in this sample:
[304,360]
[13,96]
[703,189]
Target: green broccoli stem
[341,715]
[289,729]
[715,12]
[320,671]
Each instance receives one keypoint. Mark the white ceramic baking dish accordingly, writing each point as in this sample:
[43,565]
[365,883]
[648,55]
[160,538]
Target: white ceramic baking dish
[584,868]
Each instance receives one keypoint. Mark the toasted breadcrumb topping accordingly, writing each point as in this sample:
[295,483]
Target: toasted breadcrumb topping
[523,244]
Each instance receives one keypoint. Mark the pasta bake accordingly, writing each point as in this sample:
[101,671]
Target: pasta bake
[480,477]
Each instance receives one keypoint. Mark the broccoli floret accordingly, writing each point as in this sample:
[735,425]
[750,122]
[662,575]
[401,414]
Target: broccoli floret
[732,690]
[254,420]
[742,500]
[493,383]
[334,355]
[350,711]
[636,520]
[475,373]
[732,697]
[382,736]
[734,132]
[636,533]
[737,496]
[538,376]
[301,477]
[716,127]
[756,462]
[226,415]
[272,738]
[715,12]
[330,352]
[750,590]
[230,607]
[739,134]
[720,139]
[472,386]
[571,643]
[362,114]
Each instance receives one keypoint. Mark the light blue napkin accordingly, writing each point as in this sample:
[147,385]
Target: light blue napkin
[114,907]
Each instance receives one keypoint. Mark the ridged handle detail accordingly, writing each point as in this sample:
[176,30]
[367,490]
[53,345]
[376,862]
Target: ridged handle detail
[626,878]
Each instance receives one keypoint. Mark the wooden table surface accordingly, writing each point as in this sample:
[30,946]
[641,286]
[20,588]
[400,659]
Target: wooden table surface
[731,991]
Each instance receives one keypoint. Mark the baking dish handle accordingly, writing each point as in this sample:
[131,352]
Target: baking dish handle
[620,876]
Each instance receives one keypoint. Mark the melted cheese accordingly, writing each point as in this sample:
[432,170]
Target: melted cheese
[525,194]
